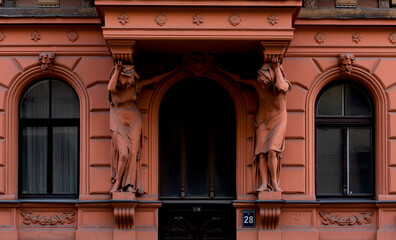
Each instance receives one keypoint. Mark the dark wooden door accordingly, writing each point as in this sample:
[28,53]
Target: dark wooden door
[197,161]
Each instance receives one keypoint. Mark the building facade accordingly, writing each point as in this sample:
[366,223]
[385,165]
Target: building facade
[197,164]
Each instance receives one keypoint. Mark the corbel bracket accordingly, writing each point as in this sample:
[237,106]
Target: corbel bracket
[269,214]
[124,204]
[122,50]
[273,49]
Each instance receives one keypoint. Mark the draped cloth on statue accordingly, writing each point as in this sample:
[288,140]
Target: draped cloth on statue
[270,135]
[127,123]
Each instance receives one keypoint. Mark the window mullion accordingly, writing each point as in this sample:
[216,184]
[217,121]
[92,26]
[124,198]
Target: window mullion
[344,160]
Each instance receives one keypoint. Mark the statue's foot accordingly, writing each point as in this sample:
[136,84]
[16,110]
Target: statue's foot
[262,188]
[276,187]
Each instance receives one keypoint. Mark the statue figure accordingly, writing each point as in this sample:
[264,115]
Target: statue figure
[270,121]
[126,127]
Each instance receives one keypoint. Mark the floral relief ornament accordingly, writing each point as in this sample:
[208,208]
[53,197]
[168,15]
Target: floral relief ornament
[65,218]
[72,36]
[320,38]
[2,36]
[234,19]
[197,19]
[357,38]
[160,19]
[123,19]
[35,36]
[392,38]
[364,218]
[273,19]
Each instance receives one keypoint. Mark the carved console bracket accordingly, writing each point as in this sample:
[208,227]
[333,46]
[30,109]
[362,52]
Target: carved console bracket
[345,61]
[124,209]
[273,49]
[269,213]
[46,62]
[122,50]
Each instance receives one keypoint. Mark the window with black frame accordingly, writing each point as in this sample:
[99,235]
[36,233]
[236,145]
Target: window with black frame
[49,117]
[344,119]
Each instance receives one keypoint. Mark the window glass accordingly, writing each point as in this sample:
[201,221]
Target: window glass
[329,160]
[64,101]
[357,102]
[330,103]
[35,102]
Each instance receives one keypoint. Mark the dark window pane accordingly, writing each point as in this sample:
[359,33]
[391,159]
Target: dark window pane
[328,160]
[65,155]
[360,160]
[197,164]
[34,160]
[35,102]
[64,101]
[330,103]
[357,102]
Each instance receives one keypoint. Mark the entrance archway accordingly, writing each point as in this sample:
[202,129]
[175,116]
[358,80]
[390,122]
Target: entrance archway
[197,143]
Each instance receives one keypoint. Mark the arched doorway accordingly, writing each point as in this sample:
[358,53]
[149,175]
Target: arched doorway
[197,140]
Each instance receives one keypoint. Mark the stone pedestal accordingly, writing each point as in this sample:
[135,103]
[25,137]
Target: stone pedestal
[269,204]
[124,204]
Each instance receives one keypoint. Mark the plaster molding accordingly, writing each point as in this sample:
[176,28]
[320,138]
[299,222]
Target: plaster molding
[234,19]
[197,19]
[320,38]
[335,219]
[72,36]
[2,36]
[122,50]
[273,19]
[392,38]
[160,19]
[35,36]
[356,37]
[123,19]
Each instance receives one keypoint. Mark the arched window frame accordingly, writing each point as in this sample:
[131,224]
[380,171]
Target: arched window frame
[50,123]
[344,123]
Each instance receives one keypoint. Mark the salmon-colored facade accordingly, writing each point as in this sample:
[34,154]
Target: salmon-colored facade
[205,45]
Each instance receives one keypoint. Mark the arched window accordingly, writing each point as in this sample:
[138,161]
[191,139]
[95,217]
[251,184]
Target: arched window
[344,119]
[49,113]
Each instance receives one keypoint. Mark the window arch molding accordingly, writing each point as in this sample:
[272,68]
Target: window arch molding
[17,88]
[376,89]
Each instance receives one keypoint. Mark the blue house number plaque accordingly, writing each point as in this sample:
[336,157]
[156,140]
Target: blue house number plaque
[248,218]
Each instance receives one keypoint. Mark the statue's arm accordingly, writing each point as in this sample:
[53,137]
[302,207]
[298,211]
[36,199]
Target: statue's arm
[237,78]
[113,80]
[155,79]
[281,83]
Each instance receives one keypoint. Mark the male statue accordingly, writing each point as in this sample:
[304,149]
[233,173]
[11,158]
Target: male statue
[126,127]
[270,121]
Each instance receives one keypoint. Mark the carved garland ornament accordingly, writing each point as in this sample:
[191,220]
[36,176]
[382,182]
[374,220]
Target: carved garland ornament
[197,19]
[357,38]
[72,36]
[160,19]
[2,36]
[123,19]
[65,218]
[234,19]
[328,219]
[320,38]
[35,36]
[273,19]
[392,38]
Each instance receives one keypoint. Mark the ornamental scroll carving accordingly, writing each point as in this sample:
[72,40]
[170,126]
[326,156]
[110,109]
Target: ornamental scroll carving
[363,218]
[64,218]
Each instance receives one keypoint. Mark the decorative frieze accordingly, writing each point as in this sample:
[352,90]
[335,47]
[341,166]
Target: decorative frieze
[29,218]
[335,219]
[346,3]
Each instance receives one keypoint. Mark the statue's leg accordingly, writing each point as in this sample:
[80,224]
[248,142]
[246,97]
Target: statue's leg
[122,155]
[273,166]
[135,144]
[263,173]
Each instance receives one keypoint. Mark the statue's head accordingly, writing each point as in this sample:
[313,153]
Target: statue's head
[346,61]
[127,76]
